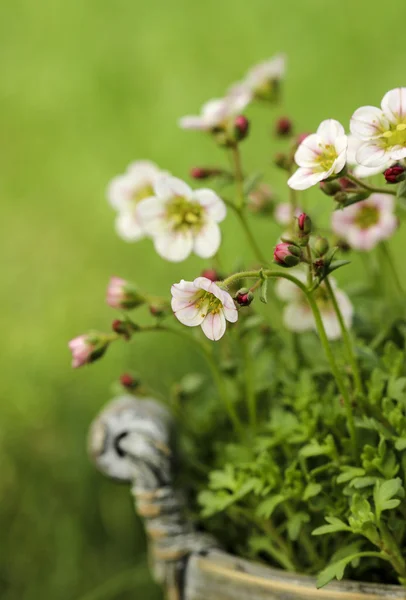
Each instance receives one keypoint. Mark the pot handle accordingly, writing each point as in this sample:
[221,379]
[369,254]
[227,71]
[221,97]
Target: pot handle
[130,441]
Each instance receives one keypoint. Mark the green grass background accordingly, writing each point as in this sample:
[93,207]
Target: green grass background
[86,86]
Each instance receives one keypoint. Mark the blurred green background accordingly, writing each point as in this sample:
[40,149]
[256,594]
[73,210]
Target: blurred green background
[86,87]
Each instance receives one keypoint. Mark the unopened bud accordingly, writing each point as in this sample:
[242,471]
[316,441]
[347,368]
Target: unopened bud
[304,223]
[395,174]
[124,328]
[87,348]
[331,188]
[123,295]
[320,246]
[283,127]
[159,309]
[241,127]
[341,197]
[244,297]
[287,255]
[211,274]
[205,172]
[128,381]
[283,161]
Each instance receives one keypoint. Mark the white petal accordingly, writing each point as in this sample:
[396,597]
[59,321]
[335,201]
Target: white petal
[309,150]
[183,290]
[207,241]
[188,314]
[238,99]
[302,179]
[331,324]
[346,306]
[128,226]
[214,325]
[362,239]
[330,130]
[353,144]
[168,187]
[150,213]
[341,149]
[366,122]
[362,172]
[397,153]
[209,286]
[287,290]
[143,169]
[230,310]
[214,206]
[298,317]
[385,202]
[174,246]
[342,219]
[192,122]
[119,192]
[394,105]
[371,155]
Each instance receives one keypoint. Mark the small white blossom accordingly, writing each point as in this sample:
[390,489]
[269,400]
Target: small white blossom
[283,213]
[382,131]
[361,171]
[181,220]
[320,155]
[297,314]
[218,113]
[262,79]
[126,190]
[364,224]
[202,302]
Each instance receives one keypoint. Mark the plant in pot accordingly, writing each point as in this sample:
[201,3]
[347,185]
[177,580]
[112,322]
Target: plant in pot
[290,466]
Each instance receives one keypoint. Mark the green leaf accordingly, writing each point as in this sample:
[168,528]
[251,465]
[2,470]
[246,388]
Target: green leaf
[337,264]
[384,493]
[266,507]
[311,490]
[264,291]
[400,443]
[295,523]
[335,570]
[401,191]
[349,473]
[334,525]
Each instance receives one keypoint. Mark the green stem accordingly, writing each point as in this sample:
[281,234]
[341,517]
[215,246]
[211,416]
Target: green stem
[310,266]
[217,375]
[323,339]
[238,174]
[367,186]
[389,260]
[250,390]
[347,339]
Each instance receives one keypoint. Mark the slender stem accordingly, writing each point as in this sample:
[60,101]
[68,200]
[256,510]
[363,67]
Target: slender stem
[310,266]
[347,338]
[367,186]
[217,375]
[250,390]
[389,259]
[323,339]
[238,174]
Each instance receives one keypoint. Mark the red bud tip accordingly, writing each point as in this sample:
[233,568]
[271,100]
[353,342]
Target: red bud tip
[283,127]
[244,297]
[117,325]
[287,255]
[241,127]
[395,174]
[204,172]
[128,381]
[211,274]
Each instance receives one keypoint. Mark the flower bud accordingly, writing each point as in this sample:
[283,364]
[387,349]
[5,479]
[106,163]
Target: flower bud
[204,172]
[283,127]
[304,223]
[87,348]
[128,381]
[123,295]
[244,297]
[287,255]
[283,161]
[124,328]
[320,246]
[395,174]
[158,310]
[241,128]
[341,197]
[261,199]
[211,274]
[331,188]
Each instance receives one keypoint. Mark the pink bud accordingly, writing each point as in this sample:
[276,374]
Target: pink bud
[304,223]
[87,348]
[244,297]
[123,295]
[204,172]
[210,274]
[395,174]
[241,127]
[128,381]
[287,255]
[283,127]
[301,137]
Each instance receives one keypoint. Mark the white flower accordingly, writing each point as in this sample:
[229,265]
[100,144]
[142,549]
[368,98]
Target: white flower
[202,302]
[126,190]
[218,113]
[361,171]
[298,316]
[262,79]
[283,213]
[320,155]
[364,224]
[382,130]
[181,220]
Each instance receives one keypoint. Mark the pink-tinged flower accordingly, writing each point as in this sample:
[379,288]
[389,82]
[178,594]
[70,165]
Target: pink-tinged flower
[126,190]
[123,295]
[283,213]
[218,113]
[263,79]
[87,348]
[360,170]
[297,314]
[382,131]
[202,302]
[364,224]
[181,220]
[287,255]
[320,155]
[261,199]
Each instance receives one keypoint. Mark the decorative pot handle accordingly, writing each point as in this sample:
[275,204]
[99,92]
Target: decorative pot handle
[130,441]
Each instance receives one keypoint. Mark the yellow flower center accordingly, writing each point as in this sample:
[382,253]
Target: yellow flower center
[141,193]
[395,136]
[208,303]
[367,216]
[184,214]
[326,157]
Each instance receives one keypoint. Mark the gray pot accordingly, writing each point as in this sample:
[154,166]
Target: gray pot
[130,441]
